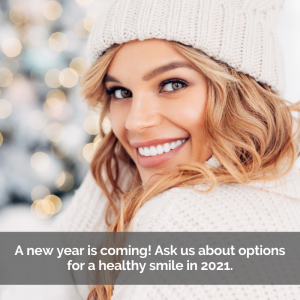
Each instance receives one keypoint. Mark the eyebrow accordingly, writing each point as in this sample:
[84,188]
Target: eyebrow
[150,75]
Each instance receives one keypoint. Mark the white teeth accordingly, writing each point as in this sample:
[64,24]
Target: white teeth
[160,149]
[146,151]
[153,151]
[173,145]
[141,150]
[167,147]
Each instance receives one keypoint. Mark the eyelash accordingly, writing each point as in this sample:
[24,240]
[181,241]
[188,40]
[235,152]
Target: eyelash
[112,90]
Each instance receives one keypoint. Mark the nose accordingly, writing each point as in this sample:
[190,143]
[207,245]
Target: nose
[143,114]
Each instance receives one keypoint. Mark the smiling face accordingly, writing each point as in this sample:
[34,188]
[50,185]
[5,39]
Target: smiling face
[158,103]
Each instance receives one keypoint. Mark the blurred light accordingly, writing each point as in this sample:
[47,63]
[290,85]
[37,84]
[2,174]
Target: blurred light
[106,125]
[51,78]
[91,124]
[39,192]
[10,63]
[43,208]
[59,152]
[97,142]
[11,47]
[37,120]
[56,202]
[58,41]
[40,161]
[19,14]
[52,10]
[58,94]
[6,77]
[68,77]
[1,139]
[55,132]
[53,107]
[89,21]
[88,152]
[80,29]
[5,108]
[65,181]
[84,2]
[80,65]
[37,35]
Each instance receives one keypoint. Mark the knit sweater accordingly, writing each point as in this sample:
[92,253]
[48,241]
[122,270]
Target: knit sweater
[265,206]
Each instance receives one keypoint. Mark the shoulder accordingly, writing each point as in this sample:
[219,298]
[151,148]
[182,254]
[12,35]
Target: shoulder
[229,207]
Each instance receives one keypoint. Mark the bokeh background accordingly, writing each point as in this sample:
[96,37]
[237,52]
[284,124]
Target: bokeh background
[47,133]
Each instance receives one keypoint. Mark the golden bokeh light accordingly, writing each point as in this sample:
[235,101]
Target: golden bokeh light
[11,47]
[80,29]
[80,65]
[6,77]
[84,2]
[68,77]
[89,21]
[40,161]
[91,124]
[53,107]
[65,182]
[52,78]
[58,41]
[58,94]
[97,140]
[55,132]
[42,209]
[1,139]
[88,152]
[55,201]
[5,108]
[106,125]
[39,192]
[37,120]
[19,14]
[52,10]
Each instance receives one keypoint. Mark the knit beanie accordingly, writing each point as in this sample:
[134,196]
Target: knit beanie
[241,33]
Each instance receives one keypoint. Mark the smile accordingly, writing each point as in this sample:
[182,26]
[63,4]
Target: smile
[158,154]
[160,149]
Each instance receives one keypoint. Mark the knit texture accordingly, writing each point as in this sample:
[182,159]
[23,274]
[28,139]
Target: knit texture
[241,33]
[266,206]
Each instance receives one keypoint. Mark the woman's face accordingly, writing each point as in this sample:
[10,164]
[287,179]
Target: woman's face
[158,103]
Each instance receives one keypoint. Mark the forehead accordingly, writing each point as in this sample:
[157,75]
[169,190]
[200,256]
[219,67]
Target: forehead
[142,56]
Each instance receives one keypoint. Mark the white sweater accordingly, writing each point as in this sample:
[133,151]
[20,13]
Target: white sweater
[268,206]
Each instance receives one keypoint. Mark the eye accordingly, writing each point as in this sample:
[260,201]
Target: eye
[173,85]
[119,93]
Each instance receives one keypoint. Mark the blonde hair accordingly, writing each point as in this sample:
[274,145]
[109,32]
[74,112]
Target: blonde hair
[250,130]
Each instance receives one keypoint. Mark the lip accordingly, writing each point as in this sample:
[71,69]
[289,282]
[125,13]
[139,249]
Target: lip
[157,160]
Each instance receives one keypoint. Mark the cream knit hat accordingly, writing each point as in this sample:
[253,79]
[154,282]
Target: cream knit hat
[241,33]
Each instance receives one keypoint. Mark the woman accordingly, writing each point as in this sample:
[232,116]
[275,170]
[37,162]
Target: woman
[193,91]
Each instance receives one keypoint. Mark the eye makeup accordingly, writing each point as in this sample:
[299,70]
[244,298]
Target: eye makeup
[112,90]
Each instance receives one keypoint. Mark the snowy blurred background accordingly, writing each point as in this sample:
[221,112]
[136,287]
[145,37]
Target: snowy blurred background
[47,134]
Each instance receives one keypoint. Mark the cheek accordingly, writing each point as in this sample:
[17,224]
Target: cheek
[117,120]
[191,115]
